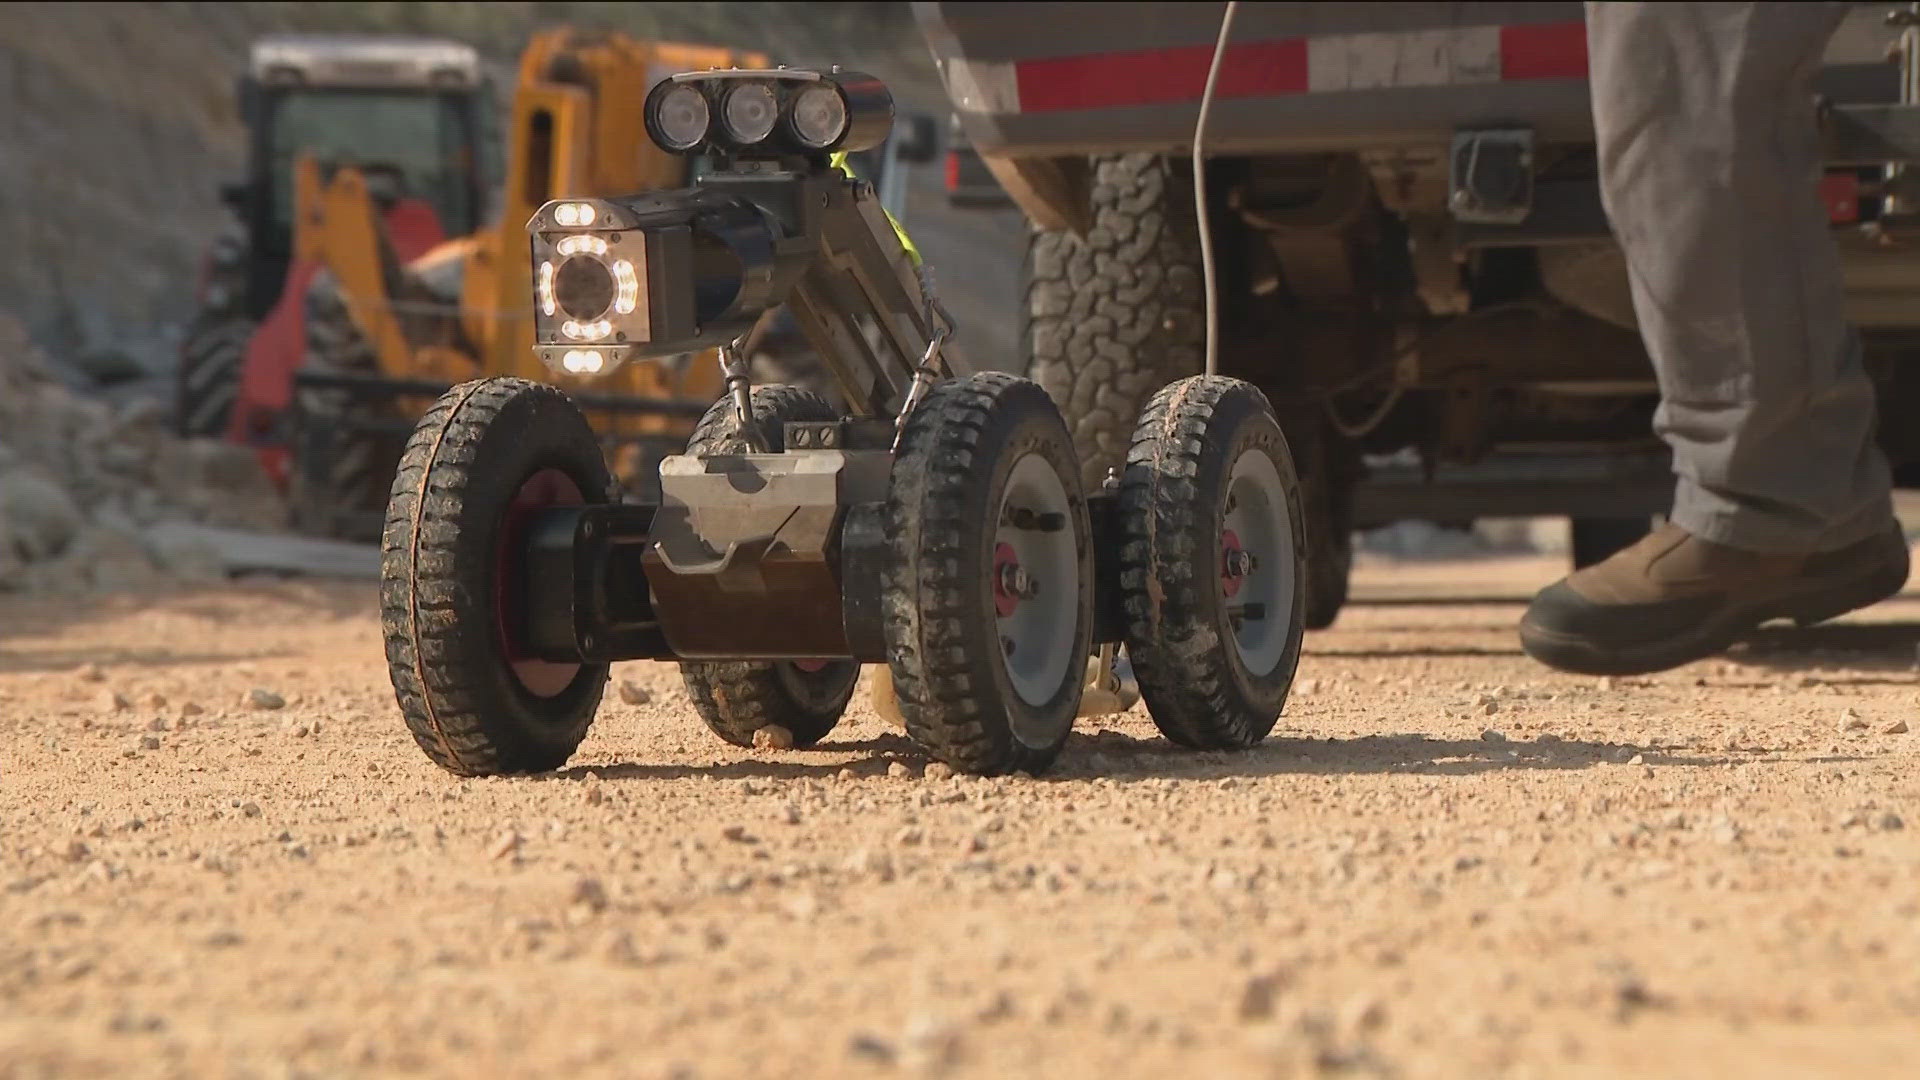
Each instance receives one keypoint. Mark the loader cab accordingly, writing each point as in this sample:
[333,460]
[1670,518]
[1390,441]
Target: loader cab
[417,112]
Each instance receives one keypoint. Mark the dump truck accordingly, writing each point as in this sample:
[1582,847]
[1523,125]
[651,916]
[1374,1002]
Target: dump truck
[1412,257]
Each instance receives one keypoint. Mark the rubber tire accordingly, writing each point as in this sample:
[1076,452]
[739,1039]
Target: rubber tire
[439,577]
[207,379]
[1113,316]
[1192,677]
[943,643]
[1329,551]
[739,697]
[336,494]
[1595,540]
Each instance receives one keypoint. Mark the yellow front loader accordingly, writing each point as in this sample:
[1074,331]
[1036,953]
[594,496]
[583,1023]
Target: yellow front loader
[387,317]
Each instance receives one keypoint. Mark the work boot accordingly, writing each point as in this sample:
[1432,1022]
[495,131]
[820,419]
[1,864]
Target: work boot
[1674,598]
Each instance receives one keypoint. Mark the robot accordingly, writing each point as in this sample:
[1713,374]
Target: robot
[931,519]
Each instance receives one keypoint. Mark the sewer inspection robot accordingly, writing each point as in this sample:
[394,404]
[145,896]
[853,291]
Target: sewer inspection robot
[930,518]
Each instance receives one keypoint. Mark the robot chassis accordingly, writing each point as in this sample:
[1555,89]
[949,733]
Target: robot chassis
[934,521]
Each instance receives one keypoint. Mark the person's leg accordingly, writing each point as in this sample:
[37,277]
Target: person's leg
[1709,164]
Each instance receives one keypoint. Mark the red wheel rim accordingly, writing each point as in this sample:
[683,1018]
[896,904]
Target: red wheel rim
[811,667]
[1004,558]
[1229,581]
[546,488]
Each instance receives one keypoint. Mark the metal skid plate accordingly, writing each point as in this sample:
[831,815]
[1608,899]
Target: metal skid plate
[745,559]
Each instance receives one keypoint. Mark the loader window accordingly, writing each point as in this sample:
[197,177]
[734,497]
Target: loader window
[424,137]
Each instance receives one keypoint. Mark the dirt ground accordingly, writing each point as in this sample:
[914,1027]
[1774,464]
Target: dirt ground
[1446,862]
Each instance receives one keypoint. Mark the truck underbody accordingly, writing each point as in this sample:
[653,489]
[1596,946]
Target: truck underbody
[1411,252]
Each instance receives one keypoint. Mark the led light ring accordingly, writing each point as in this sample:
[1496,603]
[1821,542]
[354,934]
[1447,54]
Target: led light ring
[574,215]
[574,245]
[583,361]
[598,330]
[626,283]
[544,288]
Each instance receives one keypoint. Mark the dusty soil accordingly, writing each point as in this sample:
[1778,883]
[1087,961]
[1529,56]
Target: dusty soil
[1447,862]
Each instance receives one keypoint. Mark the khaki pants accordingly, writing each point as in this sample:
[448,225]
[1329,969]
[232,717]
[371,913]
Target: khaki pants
[1709,161]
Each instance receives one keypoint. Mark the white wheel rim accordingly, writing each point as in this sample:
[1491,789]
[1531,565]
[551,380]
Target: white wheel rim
[1256,523]
[1036,632]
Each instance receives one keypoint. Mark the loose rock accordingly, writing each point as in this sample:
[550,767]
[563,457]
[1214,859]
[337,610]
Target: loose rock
[773,737]
[632,693]
[261,698]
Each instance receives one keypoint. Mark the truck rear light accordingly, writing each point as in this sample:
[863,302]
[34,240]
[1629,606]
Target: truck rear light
[953,171]
[1840,194]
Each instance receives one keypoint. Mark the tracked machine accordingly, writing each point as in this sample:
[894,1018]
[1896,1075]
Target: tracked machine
[928,516]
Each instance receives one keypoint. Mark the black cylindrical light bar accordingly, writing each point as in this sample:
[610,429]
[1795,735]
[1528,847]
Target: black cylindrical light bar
[777,112]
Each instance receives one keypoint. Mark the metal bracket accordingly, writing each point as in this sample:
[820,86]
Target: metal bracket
[1490,176]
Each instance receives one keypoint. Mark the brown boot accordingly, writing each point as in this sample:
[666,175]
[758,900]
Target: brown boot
[1673,598]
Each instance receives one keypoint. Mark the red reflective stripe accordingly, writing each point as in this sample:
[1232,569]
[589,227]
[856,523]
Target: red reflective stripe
[1154,76]
[1543,51]
[1254,69]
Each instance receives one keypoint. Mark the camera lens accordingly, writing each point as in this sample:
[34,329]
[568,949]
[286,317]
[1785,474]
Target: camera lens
[583,287]
[680,117]
[749,113]
[819,116]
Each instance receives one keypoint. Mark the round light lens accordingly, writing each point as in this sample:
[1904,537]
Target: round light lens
[582,362]
[819,116]
[749,112]
[680,117]
[584,288]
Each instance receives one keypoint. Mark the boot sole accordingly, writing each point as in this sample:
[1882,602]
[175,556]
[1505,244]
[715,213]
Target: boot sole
[1817,601]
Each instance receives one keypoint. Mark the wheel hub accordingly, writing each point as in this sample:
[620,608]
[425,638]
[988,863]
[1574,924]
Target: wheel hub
[546,488]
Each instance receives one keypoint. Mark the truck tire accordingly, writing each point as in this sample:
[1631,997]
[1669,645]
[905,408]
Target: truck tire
[207,380]
[484,457]
[1113,316]
[341,468]
[736,698]
[1328,525]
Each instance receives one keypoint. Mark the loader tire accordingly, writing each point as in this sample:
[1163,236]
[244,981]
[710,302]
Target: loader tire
[1113,316]
[482,460]
[207,380]
[736,698]
[342,466]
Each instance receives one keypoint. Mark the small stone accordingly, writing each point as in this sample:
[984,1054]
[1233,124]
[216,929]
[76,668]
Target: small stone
[506,845]
[1606,682]
[846,774]
[589,896]
[1851,720]
[191,708]
[1490,707]
[76,852]
[898,770]
[156,701]
[1898,727]
[632,693]
[298,729]
[89,673]
[158,723]
[937,770]
[1493,736]
[772,737]
[251,809]
[1890,822]
[737,834]
[871,1048]
[907,837]
[111,701]
[149,742]
[1637,759]
[790,813]
[261,698]
[1259,995]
